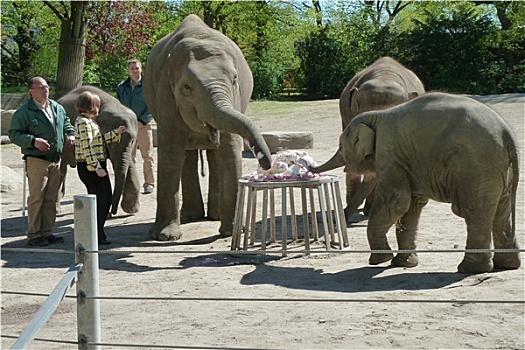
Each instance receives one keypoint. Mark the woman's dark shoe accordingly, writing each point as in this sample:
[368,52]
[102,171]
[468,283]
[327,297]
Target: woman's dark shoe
[105,241]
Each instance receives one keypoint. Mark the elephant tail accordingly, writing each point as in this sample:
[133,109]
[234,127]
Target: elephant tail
[201,156]
[514,162]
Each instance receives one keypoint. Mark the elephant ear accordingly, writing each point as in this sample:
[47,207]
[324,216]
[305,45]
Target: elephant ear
[363,141]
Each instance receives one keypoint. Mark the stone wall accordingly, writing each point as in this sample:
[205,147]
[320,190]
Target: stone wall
[13,101]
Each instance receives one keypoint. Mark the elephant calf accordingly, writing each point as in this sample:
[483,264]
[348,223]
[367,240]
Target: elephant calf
[385,83]
[443,147]
[112,114]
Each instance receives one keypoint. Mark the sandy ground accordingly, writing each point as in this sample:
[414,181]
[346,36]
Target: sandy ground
[363,307]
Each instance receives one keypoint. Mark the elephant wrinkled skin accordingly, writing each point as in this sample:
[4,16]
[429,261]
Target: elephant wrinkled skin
[197,86]
[383,84]
[448,148]
[112,114]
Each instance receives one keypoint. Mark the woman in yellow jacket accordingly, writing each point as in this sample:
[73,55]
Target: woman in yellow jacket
[91,156]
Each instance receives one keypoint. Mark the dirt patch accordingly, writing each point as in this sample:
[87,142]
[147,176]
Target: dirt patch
[364,306]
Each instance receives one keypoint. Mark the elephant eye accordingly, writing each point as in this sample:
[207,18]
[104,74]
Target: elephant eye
[187,87]
[234,81]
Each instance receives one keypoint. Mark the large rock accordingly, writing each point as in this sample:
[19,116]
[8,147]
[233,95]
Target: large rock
[6,117]
[282,140]
[276,140]
[10,179]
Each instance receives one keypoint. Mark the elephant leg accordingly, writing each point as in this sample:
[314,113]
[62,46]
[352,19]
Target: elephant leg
[504,237]
[170,162]
[389,205]
[479,236]
[352,183]
[131,192]
[406,233]
[360,191]
[192,203]
[370,198]
[231,170]
[214,199]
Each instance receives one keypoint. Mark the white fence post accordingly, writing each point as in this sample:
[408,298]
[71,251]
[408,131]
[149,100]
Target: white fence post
[88,310]
[47,309]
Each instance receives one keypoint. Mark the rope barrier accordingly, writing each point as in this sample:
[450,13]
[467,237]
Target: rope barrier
[43,339]
[141,346]
[242,299]
[259,252]
[302,300]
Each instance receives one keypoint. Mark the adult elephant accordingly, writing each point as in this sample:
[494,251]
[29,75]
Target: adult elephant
[448,148]
[383,84]
[197,86]
[112,114]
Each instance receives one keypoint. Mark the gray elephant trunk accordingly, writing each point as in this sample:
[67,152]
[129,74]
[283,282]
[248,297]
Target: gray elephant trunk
[335,162]
[235,122]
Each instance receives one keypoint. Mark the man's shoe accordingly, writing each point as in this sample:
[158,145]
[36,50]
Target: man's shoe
[104,242]
[148,189]
[54,239]
[38,242]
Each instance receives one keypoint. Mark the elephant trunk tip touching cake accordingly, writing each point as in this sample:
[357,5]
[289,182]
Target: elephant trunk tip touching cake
[444,147]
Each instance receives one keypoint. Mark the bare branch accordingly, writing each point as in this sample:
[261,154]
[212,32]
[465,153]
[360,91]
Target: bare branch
[55,11]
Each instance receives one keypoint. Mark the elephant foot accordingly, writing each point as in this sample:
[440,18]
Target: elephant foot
[353,218]
[187,219]
[226,230]
[187,216]
[378,258]
[470,265]
[170,232]
[130,208]
[405,260]
[225,234]
[367,208]
[507,261]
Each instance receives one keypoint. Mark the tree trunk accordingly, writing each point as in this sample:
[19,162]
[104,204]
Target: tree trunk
[72,50]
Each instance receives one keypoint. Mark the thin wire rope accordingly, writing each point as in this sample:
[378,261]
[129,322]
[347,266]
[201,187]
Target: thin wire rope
[141,346]
[307,300]
[260,252]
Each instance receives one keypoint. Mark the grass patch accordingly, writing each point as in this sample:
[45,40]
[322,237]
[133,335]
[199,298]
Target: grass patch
[264,109]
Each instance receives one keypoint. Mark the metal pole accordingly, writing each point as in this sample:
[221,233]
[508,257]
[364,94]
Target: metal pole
[24,181]
[88,310]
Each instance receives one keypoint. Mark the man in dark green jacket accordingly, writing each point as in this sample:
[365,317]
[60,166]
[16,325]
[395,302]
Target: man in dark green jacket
[39,127]
[129,93]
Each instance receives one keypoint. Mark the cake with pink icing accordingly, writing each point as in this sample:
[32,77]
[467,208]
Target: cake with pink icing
[287,165]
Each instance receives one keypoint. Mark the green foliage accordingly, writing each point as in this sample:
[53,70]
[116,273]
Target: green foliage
[118,31]
[268,75]
[332,55]
[449,50]
[322,64]
[455,46]
[28,43]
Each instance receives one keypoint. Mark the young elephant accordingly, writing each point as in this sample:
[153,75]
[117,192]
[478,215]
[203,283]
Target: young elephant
[443,147]
[112,114]
[197,86]
[385,83]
